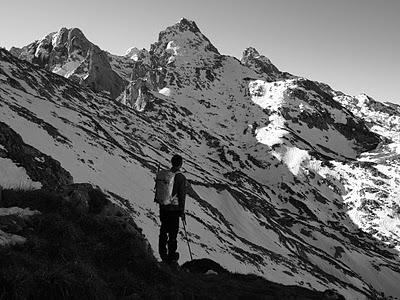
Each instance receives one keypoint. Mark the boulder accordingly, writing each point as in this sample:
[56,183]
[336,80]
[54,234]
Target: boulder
[204,266]
[77,195]
[8,239]
[332,295]
[13,222]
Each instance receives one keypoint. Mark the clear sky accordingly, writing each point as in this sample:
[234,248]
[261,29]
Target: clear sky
[352,45]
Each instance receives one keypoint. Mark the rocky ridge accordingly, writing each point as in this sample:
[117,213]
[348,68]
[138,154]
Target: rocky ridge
[262,65]
[69,53]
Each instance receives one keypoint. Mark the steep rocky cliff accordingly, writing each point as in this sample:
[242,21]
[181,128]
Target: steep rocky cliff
[69,53]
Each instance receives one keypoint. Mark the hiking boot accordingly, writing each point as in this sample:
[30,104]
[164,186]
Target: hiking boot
[164,258]
[174,257]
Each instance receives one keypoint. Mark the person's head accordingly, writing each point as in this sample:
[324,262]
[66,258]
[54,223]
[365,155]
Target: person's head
[176,161]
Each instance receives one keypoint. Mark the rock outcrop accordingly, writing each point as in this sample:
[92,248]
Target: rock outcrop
[100,75]
[39,166]
[204,266]
[13,222]
[261,64]
[70,54]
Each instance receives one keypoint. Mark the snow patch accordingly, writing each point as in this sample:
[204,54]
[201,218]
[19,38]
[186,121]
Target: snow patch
[171,60]
[68,68]
[294,158]
[270,135]
[363,100]
[268,94]
[56,39]
[40,159]
[172,47]
[132,53]
[165,91]
[12,176]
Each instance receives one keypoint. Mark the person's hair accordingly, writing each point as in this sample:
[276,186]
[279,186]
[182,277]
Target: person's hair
[176,160]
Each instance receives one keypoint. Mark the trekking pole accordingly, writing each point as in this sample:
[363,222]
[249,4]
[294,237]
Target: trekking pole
[155,183]
[187,240]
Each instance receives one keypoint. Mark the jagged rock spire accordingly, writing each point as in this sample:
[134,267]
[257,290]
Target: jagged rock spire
[185,24]
[261,64]
[69,53]
[187,35]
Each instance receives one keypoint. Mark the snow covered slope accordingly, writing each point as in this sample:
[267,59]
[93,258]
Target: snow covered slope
[272,159]
[373,183]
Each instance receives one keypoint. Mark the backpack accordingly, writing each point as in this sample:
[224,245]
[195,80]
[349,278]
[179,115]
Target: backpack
[164,187]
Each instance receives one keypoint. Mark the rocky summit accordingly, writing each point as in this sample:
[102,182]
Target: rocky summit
[288,178]
[69,54]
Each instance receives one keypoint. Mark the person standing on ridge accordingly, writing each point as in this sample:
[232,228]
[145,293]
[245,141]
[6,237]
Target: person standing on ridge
[170,195]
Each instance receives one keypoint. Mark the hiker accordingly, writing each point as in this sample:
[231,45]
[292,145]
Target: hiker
[170,194]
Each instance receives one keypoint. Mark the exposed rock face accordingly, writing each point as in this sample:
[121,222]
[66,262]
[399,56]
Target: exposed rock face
[69,53]
[179,47]
[184,44]
[252,59]
[60,52]
[302,109]
[384,118]
[13,221]
[137,94]
[263,66]
[100,75]
[16,51]
[145,76]
[40,167]
[132,53]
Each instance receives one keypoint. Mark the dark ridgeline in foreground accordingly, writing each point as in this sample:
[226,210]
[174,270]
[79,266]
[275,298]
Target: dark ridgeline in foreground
[81,246]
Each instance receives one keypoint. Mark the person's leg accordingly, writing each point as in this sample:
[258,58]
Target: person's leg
[163,238]
[173,229]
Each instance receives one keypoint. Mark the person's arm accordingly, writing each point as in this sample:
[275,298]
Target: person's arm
[181,192]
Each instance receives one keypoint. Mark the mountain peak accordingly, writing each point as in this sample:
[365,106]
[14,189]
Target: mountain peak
[184,42]
[259,63]
[67,52]
[185,24]
[251,52]
[132,53]
[70,36]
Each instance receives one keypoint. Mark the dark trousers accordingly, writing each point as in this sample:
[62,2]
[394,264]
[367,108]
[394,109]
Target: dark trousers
[168,232]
